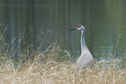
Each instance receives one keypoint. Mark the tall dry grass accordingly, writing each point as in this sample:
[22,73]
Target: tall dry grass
[54,66]
[49,68]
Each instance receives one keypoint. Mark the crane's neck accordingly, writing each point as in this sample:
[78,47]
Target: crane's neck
[83,44]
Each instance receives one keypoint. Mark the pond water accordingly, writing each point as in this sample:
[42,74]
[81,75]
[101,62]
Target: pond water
[47,21]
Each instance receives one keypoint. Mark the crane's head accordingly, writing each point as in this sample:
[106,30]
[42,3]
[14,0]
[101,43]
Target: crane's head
[79,27]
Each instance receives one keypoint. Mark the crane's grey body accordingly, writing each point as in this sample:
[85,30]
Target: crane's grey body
[86,57]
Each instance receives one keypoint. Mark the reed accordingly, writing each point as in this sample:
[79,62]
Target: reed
[48,68]
[55,66]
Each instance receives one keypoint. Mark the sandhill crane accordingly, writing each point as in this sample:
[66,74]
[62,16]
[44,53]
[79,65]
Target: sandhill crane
[86,57]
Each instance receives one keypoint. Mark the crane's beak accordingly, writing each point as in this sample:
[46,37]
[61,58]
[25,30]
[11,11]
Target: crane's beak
[73,29]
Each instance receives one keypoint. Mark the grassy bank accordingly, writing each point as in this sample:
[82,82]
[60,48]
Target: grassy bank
[47,68]
[53,72]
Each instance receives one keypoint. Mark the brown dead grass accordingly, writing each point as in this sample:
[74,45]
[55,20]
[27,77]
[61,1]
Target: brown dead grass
[53,72]
[47,69]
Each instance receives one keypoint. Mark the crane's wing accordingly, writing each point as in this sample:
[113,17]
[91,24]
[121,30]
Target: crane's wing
[84,59]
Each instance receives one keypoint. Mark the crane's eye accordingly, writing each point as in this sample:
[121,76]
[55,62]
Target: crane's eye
[78,26]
